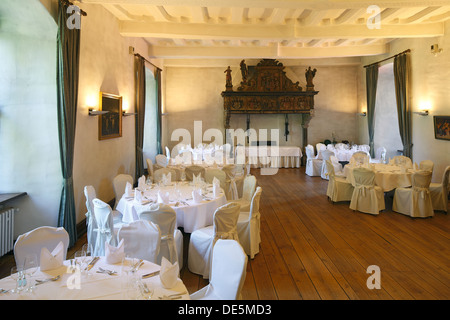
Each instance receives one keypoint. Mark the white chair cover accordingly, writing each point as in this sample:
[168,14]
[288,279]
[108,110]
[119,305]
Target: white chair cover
[326,154]
[247,193]
[217,173]
[167,152]
[231,190]
[91,223]
[194,170]
[105,226]
[228,272]
[320,147]
[401,161]
[142,240]
[338,188]
[249,226]
[161,161]
[439,192]
[313,165]
[150,168]
[415,201]
[33,241]
[202,240]
[119,184]
[360,158]
[159,173]
[171,238]
[338,168]
[426,165]
[366,197]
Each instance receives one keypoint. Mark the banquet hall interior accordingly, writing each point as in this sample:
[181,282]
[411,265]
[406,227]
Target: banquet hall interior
[287,92]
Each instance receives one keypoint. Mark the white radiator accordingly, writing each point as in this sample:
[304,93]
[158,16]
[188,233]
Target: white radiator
[6,231]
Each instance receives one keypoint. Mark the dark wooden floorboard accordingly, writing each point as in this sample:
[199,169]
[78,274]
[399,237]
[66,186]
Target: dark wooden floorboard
[313,249]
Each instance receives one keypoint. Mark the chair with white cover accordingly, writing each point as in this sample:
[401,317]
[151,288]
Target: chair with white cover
[33,241]
[210,174]
[150,168]
[415,201]
[320,147]
[161,161]
[142,240]
[192,170]
[326,154]
[313,165]
[91,224]
[401,161]
[202,240]
[339,189]
[119,184]
[426,165]
[159,173]
[171,238]
[247,193]
[105,226]
[167,152]
[228,272]
[360,158]
[366,197]
[338,168]
[231,190]
[249,226]
[439,192]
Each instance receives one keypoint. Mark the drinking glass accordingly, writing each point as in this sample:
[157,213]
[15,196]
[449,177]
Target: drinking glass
[80,258]
[89,252]
[30,267]
[18,275]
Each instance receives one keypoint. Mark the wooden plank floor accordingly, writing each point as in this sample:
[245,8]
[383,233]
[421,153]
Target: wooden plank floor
[314,250]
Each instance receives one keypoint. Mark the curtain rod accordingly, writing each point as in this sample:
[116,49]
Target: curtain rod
[83,13]
[138,55]
[408,50]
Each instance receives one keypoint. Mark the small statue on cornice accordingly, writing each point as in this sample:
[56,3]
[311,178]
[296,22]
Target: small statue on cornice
[244,71]
[229,82]
[309,74]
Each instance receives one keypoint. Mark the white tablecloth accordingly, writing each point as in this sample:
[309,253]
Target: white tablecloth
[388,177]
[190,215]
[98,286]
[275,157]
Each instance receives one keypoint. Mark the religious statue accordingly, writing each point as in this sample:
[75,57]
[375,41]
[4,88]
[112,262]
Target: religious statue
[309,74]
[244,71]
[229,83]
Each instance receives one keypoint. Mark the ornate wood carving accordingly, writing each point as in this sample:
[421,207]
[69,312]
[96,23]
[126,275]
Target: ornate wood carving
[266,89]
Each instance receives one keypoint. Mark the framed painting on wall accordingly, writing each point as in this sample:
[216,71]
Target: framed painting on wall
[110,124]
[442,127]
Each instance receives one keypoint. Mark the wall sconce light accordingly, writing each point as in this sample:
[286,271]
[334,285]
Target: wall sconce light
[126,114]
[422,113]
[362,114]
[93,112]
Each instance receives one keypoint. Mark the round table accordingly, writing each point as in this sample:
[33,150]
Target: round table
[190,215]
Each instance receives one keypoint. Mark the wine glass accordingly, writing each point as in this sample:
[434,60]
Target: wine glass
[18,276]
[30,267]
[88,252]
[80,258]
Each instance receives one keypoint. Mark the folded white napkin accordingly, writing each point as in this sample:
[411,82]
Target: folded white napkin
[141,183]
[168,273]
[114,254]
[197,179]
[197,195]
[163,197]
[128,190]
[52,260]
[216,187]
[138,196]
[167,179]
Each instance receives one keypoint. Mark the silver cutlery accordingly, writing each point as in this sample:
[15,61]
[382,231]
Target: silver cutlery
[92,263]
[3,290]
[38,282]
[149,275]
[110,272]
[173,296]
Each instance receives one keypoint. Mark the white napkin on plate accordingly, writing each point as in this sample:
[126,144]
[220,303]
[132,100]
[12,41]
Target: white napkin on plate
[128,190]
[138,196]
[197,195]
[163,197]
[216,187]
[168,273]
[52,260]
[141,183]
[114,254]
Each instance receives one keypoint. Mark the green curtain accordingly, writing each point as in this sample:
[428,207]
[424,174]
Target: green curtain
[159,108]
[140,117]
[402,91]
[68,55]
[371,93]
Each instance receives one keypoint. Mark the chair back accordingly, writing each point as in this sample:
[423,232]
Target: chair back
[161,160]
[142,239]
[254,205]
[166,218]
[230,170]
[360,158]
[446,180]
[217,173]
[105,226]
[249,188]
[228,270]
[190,171]
[33,241]
[402,161]
[150,167]
[90,195]
[426,165]
[167,152]
[320,147]
[326,154]
[364,177]
[158,174]
[330,169]
[225,222]
[421,180]
[119,184]
[309,151]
